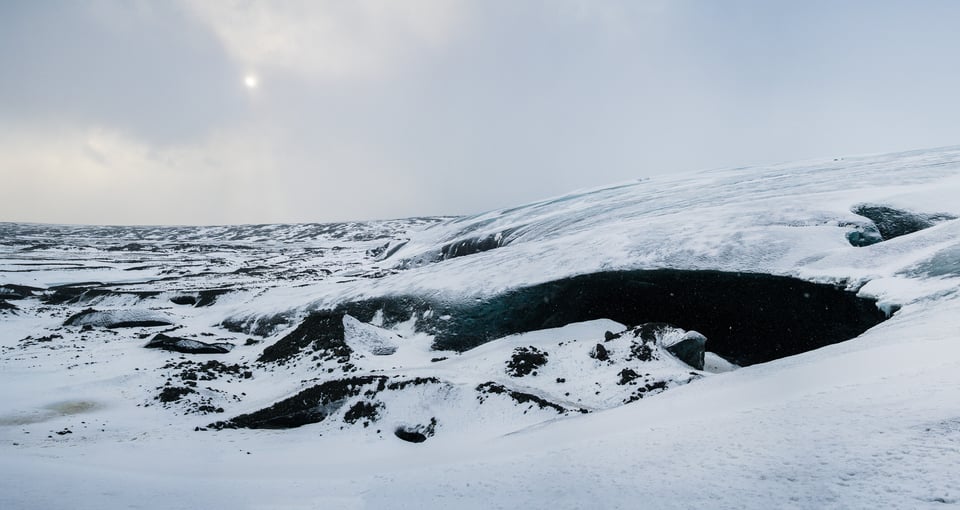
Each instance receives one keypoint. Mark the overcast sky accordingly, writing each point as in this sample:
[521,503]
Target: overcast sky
[208,111]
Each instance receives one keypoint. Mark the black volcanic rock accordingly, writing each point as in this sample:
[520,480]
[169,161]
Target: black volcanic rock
[599,353]
[319,331]
[525,361]
[187,346]
[311,405]
[519,397]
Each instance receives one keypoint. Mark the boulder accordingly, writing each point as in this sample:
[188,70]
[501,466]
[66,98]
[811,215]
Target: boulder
[599,353]
[187,346]
[689,349]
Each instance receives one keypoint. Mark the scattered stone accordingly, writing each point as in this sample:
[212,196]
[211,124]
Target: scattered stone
[363,410]
[648,389]
[174,393]
[518,397]
[525,361]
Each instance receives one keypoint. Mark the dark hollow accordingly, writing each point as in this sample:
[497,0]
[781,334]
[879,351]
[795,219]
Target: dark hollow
[410,436]
[746,317]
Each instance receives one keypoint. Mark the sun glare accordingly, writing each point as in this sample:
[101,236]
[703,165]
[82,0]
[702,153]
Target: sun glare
[250,81]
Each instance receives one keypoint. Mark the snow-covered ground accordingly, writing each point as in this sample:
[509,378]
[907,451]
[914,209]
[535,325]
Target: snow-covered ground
[872,422]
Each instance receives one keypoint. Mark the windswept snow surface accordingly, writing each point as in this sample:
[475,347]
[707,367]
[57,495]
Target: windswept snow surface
[872,422]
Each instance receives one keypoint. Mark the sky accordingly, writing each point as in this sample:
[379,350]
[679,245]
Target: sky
[238,111]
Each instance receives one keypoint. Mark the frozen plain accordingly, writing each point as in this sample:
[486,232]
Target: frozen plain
[871,422]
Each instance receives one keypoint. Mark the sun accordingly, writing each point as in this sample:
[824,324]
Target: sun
[251,81]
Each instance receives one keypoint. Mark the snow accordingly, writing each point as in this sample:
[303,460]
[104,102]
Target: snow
[867,423]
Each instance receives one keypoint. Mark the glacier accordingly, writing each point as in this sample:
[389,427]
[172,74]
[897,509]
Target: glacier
[510,358]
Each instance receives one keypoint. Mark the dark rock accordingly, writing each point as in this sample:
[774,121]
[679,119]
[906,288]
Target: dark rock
[647,389]
[642,351]
[311,405]
[416,381]
[174,393]
[627,375]
[187,346]
[319,332]
[517,396]
[525,360]
[609,335]
[648,332]
[864,236]
[690,349]
[599,353]
[363,410]
[184,300]
[7,306]
[255,325]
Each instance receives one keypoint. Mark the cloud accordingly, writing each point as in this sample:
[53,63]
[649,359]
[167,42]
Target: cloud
[341,39]
[76,174]
[68,174]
